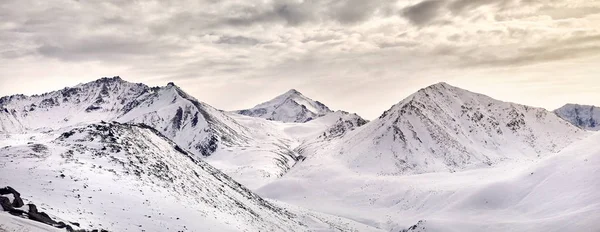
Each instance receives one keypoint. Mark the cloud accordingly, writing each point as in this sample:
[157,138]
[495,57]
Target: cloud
[568,12]
[353,43]
[551,50]
[107,48]
[240,40]
[423,12]
[460,6]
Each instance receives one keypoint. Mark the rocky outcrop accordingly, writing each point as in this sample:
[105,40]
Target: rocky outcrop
[30,211]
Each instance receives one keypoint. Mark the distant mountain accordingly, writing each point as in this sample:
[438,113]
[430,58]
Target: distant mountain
[584,116]
[291,106]
[444,128]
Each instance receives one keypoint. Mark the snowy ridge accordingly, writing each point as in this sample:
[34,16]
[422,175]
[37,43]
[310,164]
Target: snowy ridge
[584,116]
[291,106]
[194,125]
[103,99]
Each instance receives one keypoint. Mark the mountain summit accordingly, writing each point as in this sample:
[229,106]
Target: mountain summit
[291,106]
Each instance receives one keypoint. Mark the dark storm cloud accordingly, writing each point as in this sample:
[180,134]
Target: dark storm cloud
[423,12]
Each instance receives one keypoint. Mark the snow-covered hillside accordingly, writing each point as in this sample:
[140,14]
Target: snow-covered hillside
[291,106]
[444,128]
[130,177]
[554,193]
[587,117]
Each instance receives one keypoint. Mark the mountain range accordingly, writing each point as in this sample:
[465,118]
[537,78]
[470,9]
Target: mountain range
[125,156]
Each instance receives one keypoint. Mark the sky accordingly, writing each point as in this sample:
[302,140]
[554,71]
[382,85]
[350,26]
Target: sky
[360,56]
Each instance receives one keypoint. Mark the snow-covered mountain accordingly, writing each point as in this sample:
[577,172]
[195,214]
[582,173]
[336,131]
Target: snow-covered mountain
[444,128]
[291,106]
[193,125]
[584,116]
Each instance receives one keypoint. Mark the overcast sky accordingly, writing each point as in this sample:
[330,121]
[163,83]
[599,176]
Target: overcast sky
[356,55]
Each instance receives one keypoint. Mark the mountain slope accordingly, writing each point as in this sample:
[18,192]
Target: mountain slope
[291,106]
[587,117]
[444,128]
[122,176]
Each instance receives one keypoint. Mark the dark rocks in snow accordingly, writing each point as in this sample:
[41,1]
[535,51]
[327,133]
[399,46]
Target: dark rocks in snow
[210,146]
[18,202]
[92,108]
[419,227]
[32,213]
[177,119]
[195,120]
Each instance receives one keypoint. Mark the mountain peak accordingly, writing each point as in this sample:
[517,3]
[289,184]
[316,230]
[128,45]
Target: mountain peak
[291,106]
[441,85]
[293,91]
[584,116]
[109,79]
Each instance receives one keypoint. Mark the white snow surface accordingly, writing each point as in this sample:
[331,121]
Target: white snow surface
[291,106]
[584,116]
